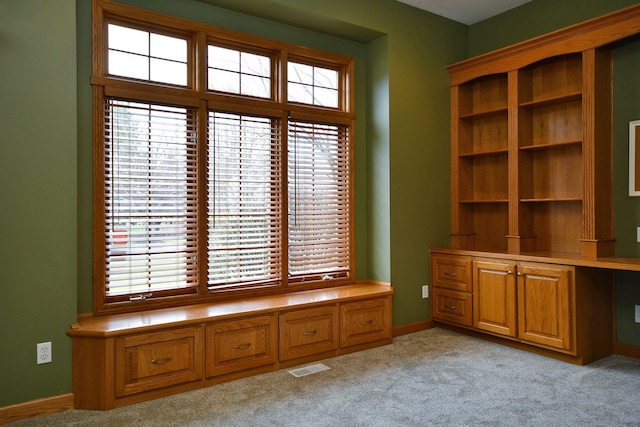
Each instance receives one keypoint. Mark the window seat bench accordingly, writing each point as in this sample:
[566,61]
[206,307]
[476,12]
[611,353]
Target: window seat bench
[128,358]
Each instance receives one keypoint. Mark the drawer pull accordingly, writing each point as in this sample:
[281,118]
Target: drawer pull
[450,274]
[450,307]
[367,322]
[161,361]
[242,346]
[310,333]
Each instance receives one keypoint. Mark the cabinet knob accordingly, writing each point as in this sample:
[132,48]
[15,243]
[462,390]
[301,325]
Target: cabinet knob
[367,322]
[450,307]
[519,274]
[242,346]
[509,272]
[450,274]
[310,333]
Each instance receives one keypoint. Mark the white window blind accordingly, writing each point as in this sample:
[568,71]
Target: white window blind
[318,212]
[150,199]
[244,201]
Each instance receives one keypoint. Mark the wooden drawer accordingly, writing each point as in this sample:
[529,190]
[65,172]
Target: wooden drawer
[308,332]
[451,272]
[151,361]
[241,344]
[451,306]
[365,321]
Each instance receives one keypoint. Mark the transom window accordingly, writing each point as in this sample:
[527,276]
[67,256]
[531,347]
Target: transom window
[313,85]
[147,56]
[223,175]
[235,71]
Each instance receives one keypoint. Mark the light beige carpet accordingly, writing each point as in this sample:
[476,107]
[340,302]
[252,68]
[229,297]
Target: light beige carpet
[429,378]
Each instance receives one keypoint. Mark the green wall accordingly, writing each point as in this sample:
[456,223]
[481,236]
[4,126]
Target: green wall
[38,179]
[542,16]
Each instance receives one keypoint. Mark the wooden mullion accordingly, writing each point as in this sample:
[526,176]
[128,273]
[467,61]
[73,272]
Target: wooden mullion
[203,190]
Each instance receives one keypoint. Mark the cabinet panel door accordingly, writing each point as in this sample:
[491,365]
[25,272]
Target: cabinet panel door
[308,332]
[151,361]
[451,272]
[240,344]
[494,294]
[365,321]
[451,306]
[545,306]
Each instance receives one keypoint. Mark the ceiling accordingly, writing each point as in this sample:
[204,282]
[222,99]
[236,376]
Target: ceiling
[466,11]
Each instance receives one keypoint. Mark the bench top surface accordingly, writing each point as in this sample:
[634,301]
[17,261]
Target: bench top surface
[121,324]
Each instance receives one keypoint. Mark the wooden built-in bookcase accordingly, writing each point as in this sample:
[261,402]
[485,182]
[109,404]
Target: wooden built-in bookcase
[531,157]
[532,246]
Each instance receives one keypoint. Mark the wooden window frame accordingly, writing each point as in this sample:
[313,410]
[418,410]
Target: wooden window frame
[196,97]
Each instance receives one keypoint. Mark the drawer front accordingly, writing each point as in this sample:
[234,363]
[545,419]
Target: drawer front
[308,332]
[152,361]
[365,321]
[451,272]
[450,306]
[240,344]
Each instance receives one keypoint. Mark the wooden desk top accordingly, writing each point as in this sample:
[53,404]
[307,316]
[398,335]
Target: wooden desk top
[610,263]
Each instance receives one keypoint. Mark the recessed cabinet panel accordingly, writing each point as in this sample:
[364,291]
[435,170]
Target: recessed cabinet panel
[451,273]
[365,321]
[308,332]
[241,344]
[452,307]
[545,306]
[151,361]
[494,295]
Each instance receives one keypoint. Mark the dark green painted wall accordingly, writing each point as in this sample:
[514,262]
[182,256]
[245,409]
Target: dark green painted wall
[402,148]
[37,194]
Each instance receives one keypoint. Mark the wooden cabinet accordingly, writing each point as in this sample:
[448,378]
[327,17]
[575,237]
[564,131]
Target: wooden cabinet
[494,297]
[241,344]
[451,289]
[539,303]
[308,332]
[146,362]
[364,322]
[546,306]
[540,294]
[133,357]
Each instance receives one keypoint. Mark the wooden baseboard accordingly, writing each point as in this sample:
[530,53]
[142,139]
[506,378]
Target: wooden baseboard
[36,408]
[412,327]
[627,350]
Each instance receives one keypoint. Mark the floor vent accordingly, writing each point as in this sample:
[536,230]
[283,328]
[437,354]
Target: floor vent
[308,370]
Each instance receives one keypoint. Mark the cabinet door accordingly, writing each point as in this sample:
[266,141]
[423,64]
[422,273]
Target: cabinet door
[365,321]
[308,332]
[545,305]
[494,295]
[241,344]
[452,306]
[151,361]
[451,272]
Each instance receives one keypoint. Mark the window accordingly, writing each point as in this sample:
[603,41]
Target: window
[226,175]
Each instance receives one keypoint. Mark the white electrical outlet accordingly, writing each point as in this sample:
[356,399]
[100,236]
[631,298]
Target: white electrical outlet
[637,313]
[44,352]
[638,235]
[425,291]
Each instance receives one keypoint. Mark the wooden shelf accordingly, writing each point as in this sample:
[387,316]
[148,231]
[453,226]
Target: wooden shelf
[551,146]
[553,100]
[503,151]
[551,200]
[485,113]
